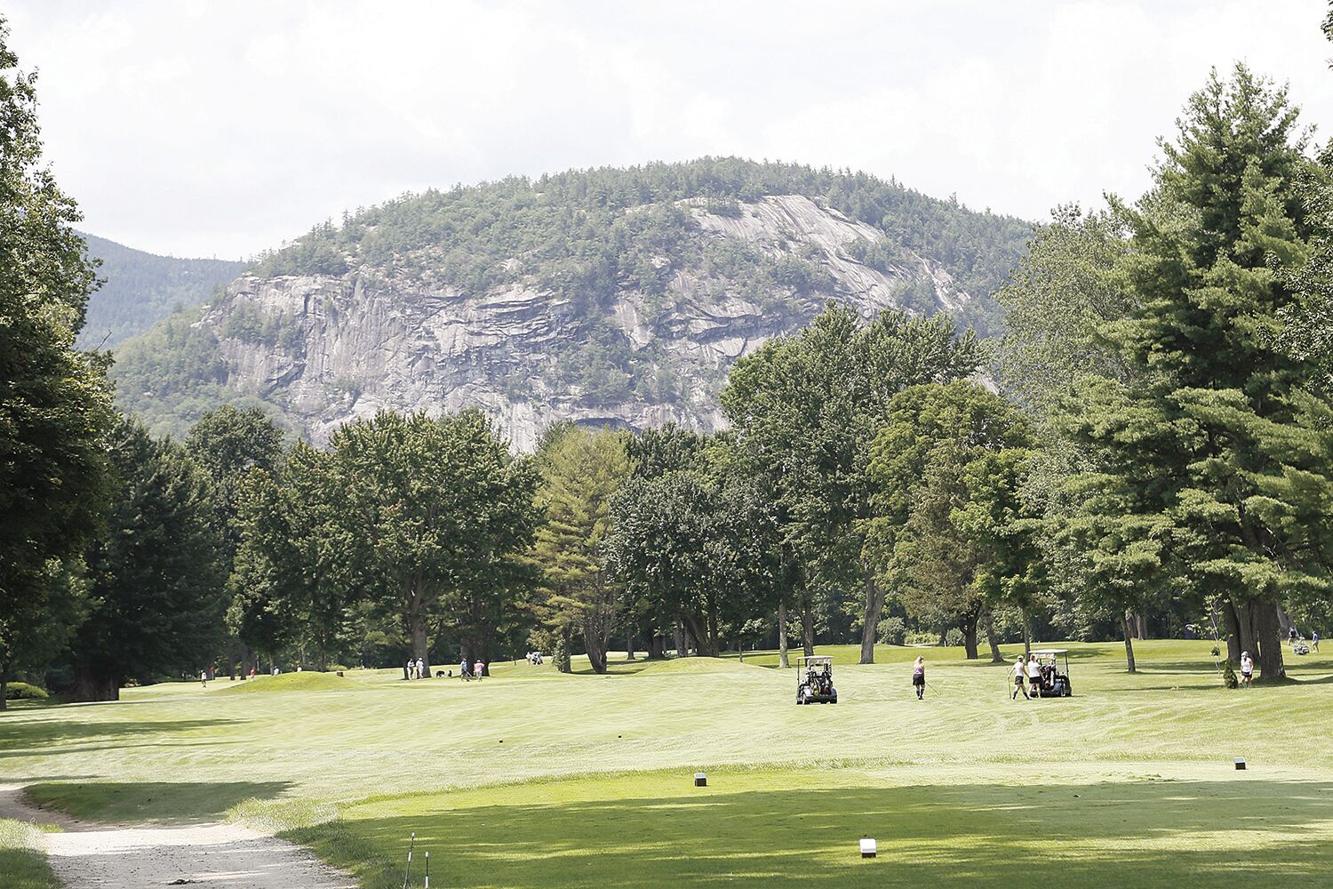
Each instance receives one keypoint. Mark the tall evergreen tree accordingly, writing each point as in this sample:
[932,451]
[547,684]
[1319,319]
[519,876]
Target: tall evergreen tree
[581,473]
[153,570]
[1172,501]
[55,407]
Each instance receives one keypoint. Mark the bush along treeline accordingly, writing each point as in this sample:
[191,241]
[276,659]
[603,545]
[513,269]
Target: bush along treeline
[1148,450]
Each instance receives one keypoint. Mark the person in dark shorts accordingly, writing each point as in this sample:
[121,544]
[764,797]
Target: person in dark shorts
[1020,673]
[919,677]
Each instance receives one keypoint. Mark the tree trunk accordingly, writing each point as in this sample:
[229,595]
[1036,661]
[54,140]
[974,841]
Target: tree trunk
[704,644]
[1129,641]
[874,607]
[417,629]
[1245,625]
[682,650]
[92,686]
[4,689]
[1027,635]
[1267,633]
[988,624]
[1232,623]
[782,636]
[595,645]
[629,643]
[656,645]
[969,628]
[807,628]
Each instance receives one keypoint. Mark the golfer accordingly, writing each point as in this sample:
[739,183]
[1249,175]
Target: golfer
[919,677]
[1019,673]
[1314,639]
[1034,677]
[1246,669]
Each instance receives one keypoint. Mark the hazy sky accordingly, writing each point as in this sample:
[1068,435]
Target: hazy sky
[222,128]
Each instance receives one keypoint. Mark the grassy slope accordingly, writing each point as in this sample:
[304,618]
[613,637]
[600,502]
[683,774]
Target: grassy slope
[21,865]
[1133,774]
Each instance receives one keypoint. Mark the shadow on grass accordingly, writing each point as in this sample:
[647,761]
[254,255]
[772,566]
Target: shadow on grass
[32,737]
[149,801]
[1150,834]
[26,869]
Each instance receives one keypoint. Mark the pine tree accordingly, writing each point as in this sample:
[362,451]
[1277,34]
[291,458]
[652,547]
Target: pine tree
[1176,497]
[581,473]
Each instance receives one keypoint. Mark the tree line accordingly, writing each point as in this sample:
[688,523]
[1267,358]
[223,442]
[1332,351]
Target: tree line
[1150,443]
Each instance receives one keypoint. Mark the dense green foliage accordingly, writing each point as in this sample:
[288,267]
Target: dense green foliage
[806,409]
[139,289]
[581,472]
[154,570]
[421,520]
[54,402]
[951,533]
[1183,434]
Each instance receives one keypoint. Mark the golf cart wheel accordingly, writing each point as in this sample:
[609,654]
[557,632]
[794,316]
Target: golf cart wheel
[834,698]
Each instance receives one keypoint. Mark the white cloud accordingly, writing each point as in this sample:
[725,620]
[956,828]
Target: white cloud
[225,128]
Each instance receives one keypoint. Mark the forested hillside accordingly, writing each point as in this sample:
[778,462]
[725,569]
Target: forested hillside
[140,289]
[610,296]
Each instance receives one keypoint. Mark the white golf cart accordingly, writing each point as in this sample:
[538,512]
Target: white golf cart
[814,680]
[1054,681]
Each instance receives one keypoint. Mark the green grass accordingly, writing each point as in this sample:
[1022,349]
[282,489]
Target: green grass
[22,864]
[532,778]
[304,681]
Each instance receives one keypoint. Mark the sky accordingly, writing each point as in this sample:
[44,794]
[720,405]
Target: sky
[212,128]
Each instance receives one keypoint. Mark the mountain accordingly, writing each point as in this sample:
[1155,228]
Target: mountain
[141,289]
[609,296]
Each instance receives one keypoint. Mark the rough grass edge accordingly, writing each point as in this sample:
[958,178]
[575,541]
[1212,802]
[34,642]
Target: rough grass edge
[23,858]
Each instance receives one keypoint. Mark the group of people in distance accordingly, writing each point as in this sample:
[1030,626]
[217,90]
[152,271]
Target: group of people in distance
[416,669]
[1032,673]
[476,671]
[534,658]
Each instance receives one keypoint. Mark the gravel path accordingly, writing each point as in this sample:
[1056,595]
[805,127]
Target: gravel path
[97,856]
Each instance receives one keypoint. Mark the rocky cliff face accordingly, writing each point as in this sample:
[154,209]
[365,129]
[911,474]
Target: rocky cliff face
[329,348]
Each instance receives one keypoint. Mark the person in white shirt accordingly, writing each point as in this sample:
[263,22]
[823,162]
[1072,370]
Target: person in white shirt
[1034,676]
[1019,674]
[1246,669]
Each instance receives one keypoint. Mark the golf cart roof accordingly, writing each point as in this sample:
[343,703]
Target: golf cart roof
[1040,651]
[815,659]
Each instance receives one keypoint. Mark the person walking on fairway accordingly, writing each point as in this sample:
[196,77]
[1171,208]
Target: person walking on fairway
[1246,669]
[1020,671]
[1034,677]
[919,677]
[1314,639]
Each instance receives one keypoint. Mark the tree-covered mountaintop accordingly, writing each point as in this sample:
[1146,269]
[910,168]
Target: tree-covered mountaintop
[574,225]
[139,289]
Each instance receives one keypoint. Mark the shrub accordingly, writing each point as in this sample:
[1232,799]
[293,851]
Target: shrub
[1229,676]
[954,637]
[22,691]
[920,637]
[892,630]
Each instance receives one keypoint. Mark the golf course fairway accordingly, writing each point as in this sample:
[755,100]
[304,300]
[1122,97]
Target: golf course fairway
[532,778]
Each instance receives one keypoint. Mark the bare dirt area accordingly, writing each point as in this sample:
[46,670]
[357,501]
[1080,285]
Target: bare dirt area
[218,855]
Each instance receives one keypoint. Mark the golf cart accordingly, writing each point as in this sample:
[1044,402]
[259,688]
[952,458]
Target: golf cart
[814,680]
[1054,681]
